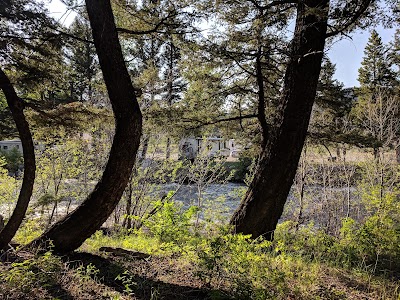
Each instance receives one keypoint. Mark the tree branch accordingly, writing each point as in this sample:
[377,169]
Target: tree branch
[141,32]
[364,6]
[16,106]
[224,120]
[272,4]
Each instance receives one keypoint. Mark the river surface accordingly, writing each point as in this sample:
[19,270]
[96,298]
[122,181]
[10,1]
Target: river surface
[225,198]
[221,200]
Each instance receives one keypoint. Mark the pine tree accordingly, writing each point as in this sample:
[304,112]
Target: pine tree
[151,32]
[28,50]
[69,233]
[331,108]
[375,71]
[394,55]
[377,107]
[83,60]
[395,61]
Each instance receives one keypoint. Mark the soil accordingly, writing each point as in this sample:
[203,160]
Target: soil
[123,276]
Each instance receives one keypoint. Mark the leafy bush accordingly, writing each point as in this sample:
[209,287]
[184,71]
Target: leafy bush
[14,160]
[170,224]
[32,272]
[253,269]
[29,230]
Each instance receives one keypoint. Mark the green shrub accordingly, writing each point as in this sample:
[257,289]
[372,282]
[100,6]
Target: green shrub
[38,271]
[170,224]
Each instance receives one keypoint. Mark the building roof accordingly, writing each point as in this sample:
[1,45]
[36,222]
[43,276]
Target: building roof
[11,141]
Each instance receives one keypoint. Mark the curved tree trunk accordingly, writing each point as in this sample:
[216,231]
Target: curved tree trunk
[262,206]
[69,233]
[16,106]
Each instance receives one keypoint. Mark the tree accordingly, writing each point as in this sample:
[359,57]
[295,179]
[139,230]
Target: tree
[375,71]
[378,117]
[8,188]
[263,203]
[172,80]
[82,59]
[395,60]
[244,54]
[16,105]
[394,54]
[70,232]
[23,54]
[376,110]
[150,32]
[14,160]
[28,56]
[262,206]
[331,106]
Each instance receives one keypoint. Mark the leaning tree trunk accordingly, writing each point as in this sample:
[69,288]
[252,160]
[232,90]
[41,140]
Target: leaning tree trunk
[262,206]
[70,232]
[16,106]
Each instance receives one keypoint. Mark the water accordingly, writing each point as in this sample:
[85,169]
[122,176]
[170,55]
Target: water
[223,199]
[188,193]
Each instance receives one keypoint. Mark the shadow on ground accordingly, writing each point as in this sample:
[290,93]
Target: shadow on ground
[143,288]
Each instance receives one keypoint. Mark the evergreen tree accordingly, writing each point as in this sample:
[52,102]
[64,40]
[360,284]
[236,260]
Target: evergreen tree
[69,233]
[394,55]
[83,60]
[330,102]
[329,120]
[377,107]
[262,206]
[375,71]
[31,48]
[151,32]
[172,81]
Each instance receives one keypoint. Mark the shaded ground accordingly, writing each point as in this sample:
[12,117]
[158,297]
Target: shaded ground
[108,276]
[154,278]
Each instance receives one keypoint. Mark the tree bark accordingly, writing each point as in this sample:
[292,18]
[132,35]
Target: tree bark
[16,106]
[69,233]
[262,206]
[144,149]
[168,149]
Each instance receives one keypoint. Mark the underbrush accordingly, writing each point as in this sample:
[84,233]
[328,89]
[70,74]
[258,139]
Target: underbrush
[294,264]
[46,276]
[301,263]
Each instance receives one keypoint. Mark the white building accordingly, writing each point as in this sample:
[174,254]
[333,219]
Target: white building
[8,145]
[190,147]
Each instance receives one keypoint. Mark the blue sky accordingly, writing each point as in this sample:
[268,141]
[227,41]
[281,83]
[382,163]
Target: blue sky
[346,53]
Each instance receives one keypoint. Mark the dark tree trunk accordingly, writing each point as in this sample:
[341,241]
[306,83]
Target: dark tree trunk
[262,206]
[261,101]
[69,233]
[168,149]
[128,208]
[376,154]
[1,223]
[16,106]
[144,149]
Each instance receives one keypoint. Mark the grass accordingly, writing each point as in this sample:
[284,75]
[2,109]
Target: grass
[209,263]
